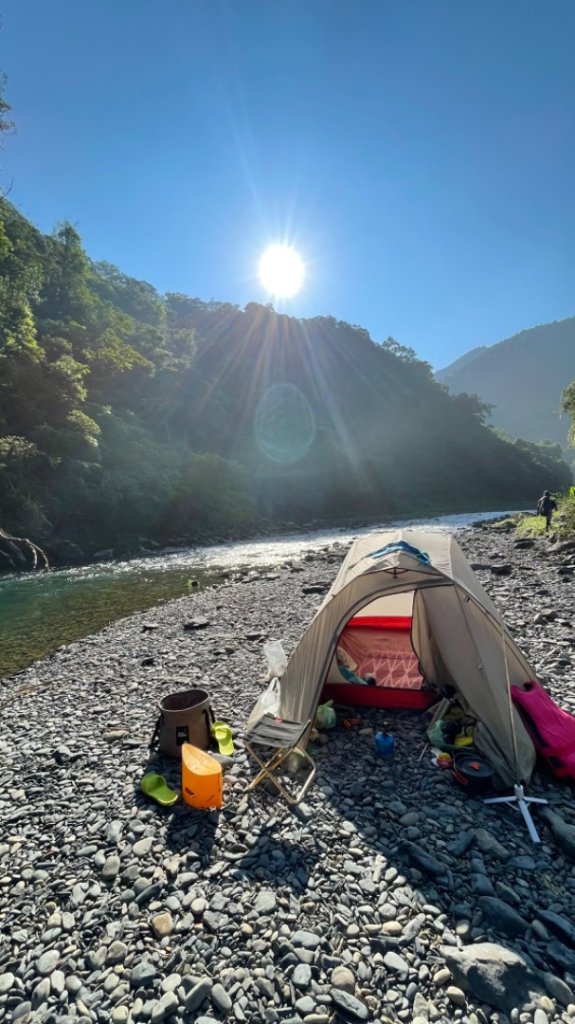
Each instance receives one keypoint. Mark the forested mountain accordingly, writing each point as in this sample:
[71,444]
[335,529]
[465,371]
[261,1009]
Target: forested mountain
[129,417]
[522,378]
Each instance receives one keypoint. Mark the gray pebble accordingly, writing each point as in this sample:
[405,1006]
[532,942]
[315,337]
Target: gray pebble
[220,999]
[198,995]
[6,982]
[48,961]
[349,1005]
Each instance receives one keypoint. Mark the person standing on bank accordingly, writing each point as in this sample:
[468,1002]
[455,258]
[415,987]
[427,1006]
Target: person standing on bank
[546,506]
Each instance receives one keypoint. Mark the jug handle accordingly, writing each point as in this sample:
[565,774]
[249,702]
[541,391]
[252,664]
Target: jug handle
[156,731]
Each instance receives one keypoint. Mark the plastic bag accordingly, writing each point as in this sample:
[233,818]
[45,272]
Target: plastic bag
[325,716]
[268,703]
[276,658]
[269,700]
[435,735]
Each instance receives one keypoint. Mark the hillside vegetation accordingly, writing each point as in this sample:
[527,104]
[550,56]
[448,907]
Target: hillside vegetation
[129,418]
[523,378]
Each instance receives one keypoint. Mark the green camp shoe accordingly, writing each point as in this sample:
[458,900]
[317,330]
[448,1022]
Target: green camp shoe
[156,787]
[222,734]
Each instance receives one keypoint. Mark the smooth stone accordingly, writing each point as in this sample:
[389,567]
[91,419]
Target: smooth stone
[57,981]
[162,924]
[455,995]
[392,928]
[309,940]
[342,978]
[558,988]
[48,961]
[502,917]
[120,1014]
[265,902]
[171,983]
[110,868]
[442,976]
[419,1006]
[396,963]
[481,885]
[349,1005]
[111,982]
[41,992]
[165,1007]
[117,951]
[143,974]
[6,982]
[301,976]
[220,999]
[305,1004]
[114,831]
[21,1010]
[198,995]
[142,846]
[559,925]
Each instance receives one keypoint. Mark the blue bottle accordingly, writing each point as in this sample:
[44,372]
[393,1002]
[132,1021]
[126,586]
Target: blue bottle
[384,745]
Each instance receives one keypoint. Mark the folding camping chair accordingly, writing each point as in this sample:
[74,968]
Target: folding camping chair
[277,739]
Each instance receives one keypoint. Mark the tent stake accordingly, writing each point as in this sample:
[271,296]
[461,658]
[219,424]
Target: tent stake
[522,803]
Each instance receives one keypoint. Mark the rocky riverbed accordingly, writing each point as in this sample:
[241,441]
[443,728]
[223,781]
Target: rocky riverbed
[387,896]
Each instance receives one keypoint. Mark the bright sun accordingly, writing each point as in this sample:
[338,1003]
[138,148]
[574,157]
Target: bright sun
[281,271]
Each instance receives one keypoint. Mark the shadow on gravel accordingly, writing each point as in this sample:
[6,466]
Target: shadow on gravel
[188,831]
[278,858]
[192,831]
[473,864]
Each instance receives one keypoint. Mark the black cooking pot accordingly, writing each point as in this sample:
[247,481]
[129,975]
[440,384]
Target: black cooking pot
[473,773]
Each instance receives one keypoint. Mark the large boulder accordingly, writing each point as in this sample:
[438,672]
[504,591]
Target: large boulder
[494,975]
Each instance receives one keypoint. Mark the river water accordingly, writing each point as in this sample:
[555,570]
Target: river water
[41,611]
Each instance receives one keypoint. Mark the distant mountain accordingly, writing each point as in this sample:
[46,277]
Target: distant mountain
[522,377]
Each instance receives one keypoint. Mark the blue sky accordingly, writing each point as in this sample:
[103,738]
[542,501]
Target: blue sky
[419,153]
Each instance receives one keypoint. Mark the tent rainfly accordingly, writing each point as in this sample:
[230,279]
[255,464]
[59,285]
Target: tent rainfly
[457,636]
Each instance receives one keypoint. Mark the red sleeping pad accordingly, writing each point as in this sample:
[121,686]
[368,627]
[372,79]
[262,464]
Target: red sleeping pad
[551,729]
[380,647]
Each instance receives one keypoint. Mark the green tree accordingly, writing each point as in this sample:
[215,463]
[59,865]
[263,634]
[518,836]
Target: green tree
[568,406]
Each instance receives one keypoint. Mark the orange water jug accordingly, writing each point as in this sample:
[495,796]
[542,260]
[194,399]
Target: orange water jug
[201,778]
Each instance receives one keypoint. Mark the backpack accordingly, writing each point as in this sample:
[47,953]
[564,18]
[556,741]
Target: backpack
[544,506]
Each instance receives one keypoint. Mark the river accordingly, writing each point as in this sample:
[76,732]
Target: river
[41,611]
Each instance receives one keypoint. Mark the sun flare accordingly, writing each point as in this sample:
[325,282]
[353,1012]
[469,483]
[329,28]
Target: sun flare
[281,271]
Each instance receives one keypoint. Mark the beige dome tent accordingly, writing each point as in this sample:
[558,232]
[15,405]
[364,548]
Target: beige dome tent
[456,633]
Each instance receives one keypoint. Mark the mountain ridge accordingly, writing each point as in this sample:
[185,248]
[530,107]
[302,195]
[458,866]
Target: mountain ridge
[522,377]
[129,416]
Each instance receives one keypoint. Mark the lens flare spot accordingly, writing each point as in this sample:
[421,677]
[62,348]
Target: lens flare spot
[284,424]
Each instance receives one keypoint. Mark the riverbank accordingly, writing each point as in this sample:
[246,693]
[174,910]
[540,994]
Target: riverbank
[63,554]
[39,612]
[119,911]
